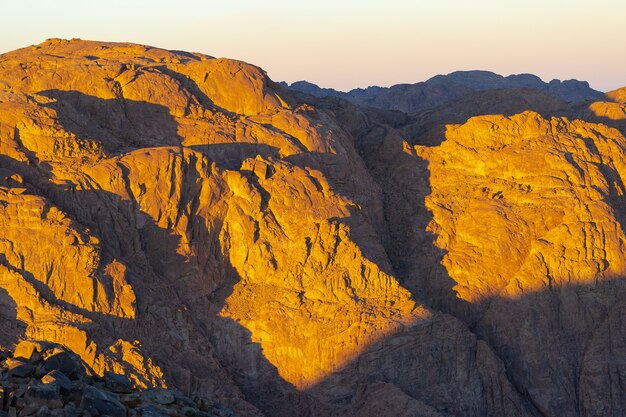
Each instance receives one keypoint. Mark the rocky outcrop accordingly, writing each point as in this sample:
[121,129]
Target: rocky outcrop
[36,382]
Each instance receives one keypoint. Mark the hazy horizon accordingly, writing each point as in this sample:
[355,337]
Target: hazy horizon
[353,44]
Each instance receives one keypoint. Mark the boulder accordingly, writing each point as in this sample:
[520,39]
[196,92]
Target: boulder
[159,396]
[183,400]
[98,402]
[30,350]
[153,411]
[58,379]
[66,362]
[219,410]
[117,383]
[39,395]
[19,368]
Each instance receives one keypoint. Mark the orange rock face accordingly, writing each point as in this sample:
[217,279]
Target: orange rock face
[183,220]
[535,192]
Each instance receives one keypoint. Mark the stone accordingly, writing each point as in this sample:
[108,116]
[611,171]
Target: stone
[117,383]
[194,412]
[38,396]
[19,368]
[152,411]
[70,410]
[183,400]
[132,400]
[221,410]
[65,362]
[159,396]
[98,402]
[58,379]
[30,350]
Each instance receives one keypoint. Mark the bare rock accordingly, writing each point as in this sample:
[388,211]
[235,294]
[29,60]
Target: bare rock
[66,362]
[117,383]
[159,396]
[58,379]
[38,396]
[19,368]
[98,402]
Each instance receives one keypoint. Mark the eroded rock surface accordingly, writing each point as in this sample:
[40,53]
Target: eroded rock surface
[185,222]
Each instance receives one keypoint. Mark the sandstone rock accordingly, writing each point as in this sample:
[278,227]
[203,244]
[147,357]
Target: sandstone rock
[486,198]
[30,350]
[609,110]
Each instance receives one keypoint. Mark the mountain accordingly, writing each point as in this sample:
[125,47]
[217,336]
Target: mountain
[442,89]
[183,223]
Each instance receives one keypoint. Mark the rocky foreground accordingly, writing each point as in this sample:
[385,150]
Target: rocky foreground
[44,380]
[187,223]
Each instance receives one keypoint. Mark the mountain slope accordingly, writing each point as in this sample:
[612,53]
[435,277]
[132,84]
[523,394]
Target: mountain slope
[187,222]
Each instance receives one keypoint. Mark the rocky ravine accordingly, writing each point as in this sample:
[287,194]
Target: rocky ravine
[182,220]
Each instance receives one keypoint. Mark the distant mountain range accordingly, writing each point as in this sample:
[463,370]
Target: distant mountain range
[411,98]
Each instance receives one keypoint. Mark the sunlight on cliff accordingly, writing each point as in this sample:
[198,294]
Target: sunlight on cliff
[522,204]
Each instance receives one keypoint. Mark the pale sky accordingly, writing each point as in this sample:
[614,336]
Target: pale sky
[352,43]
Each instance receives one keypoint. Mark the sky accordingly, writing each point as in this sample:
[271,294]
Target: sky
[347,44]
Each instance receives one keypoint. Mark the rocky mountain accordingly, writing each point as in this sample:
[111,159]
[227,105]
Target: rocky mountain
[183,223]
[443,89]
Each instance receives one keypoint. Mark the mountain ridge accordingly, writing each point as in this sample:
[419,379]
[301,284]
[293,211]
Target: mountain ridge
[440,89]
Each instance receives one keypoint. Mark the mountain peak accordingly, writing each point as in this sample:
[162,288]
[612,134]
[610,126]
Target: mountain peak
[440,89]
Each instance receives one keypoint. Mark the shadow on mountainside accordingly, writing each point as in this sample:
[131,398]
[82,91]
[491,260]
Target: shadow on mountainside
[117,124]
[11,329]
[231,155]
[561,352]
[120,125]
[586,112]
[541,338]
[437,362]
[179,298]
[428,127]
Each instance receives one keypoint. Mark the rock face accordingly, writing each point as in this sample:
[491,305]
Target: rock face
[443,89]
[180,222]
[609,110]
[514,225]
